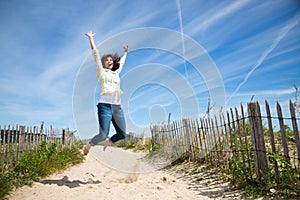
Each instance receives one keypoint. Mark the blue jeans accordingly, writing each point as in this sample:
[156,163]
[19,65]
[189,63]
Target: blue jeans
[110,113]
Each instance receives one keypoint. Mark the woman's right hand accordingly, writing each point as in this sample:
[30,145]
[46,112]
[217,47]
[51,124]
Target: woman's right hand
[90,34]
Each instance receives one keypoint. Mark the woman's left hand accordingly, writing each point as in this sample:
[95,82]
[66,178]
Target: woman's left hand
[125,47]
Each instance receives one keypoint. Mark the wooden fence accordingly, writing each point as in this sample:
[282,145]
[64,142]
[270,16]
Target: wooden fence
[250,138]
[15,140]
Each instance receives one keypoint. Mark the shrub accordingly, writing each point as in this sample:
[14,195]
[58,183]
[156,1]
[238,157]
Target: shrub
[136,144]
[47,159]
[5,183]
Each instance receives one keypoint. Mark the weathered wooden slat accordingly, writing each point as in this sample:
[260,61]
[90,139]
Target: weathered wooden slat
[199,130]
[240,139]
[226,132]
[272,140]
[195,143]
[199,140]
[219,141]
[230,134]
[225,143]
[9,135]
[209,139]
[171,138]
[203,135]
[283,133]
[188,132]
[235,138]
[212,140]
[174,143]
[177,142]
[246,141]
[295,129]
[179,137]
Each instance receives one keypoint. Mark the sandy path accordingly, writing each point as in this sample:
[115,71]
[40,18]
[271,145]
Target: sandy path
[98,178]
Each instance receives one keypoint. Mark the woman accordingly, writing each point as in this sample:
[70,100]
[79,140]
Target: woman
[109,108]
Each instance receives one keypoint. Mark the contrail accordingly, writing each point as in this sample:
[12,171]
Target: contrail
[291,24]
[182,38]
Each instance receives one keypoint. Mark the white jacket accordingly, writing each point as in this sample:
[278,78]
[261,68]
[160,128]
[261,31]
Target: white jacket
[109,80]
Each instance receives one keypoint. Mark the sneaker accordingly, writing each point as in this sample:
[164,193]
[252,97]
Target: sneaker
[86,149]
[106,143]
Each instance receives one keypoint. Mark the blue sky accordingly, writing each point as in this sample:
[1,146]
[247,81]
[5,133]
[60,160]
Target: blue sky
[243,48]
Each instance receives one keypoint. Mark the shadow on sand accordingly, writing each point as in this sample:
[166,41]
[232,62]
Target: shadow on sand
[66,182]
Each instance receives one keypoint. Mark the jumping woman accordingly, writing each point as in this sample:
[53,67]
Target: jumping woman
[108,69]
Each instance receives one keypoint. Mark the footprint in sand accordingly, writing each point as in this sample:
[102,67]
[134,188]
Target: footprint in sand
[132,177]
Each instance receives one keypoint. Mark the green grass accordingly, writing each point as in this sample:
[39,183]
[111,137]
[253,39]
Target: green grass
[32,166]
[136,144]
[288,187]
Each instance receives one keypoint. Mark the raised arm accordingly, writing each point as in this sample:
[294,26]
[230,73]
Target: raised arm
[122,60]
[91,36]
[99,67]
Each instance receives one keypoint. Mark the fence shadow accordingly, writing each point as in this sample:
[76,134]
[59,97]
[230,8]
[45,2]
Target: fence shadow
[204,181]
[66,182]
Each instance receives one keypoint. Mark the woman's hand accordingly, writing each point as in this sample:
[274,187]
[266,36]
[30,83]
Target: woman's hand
[125,47]
[90,34]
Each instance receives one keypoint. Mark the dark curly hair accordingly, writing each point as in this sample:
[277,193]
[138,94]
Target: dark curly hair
[115,58]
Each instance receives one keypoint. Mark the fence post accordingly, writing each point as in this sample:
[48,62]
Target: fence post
[257,135]
[22,139]
[63,136]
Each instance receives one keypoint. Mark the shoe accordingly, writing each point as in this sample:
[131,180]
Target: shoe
[86,149]
[106,143]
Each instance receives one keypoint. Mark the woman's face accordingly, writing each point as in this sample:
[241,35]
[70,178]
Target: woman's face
[109,63]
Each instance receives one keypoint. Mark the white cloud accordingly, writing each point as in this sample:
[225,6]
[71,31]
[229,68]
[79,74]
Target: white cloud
[282,33]
[286,91]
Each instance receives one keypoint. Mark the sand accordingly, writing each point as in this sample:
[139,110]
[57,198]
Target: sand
[117,174]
